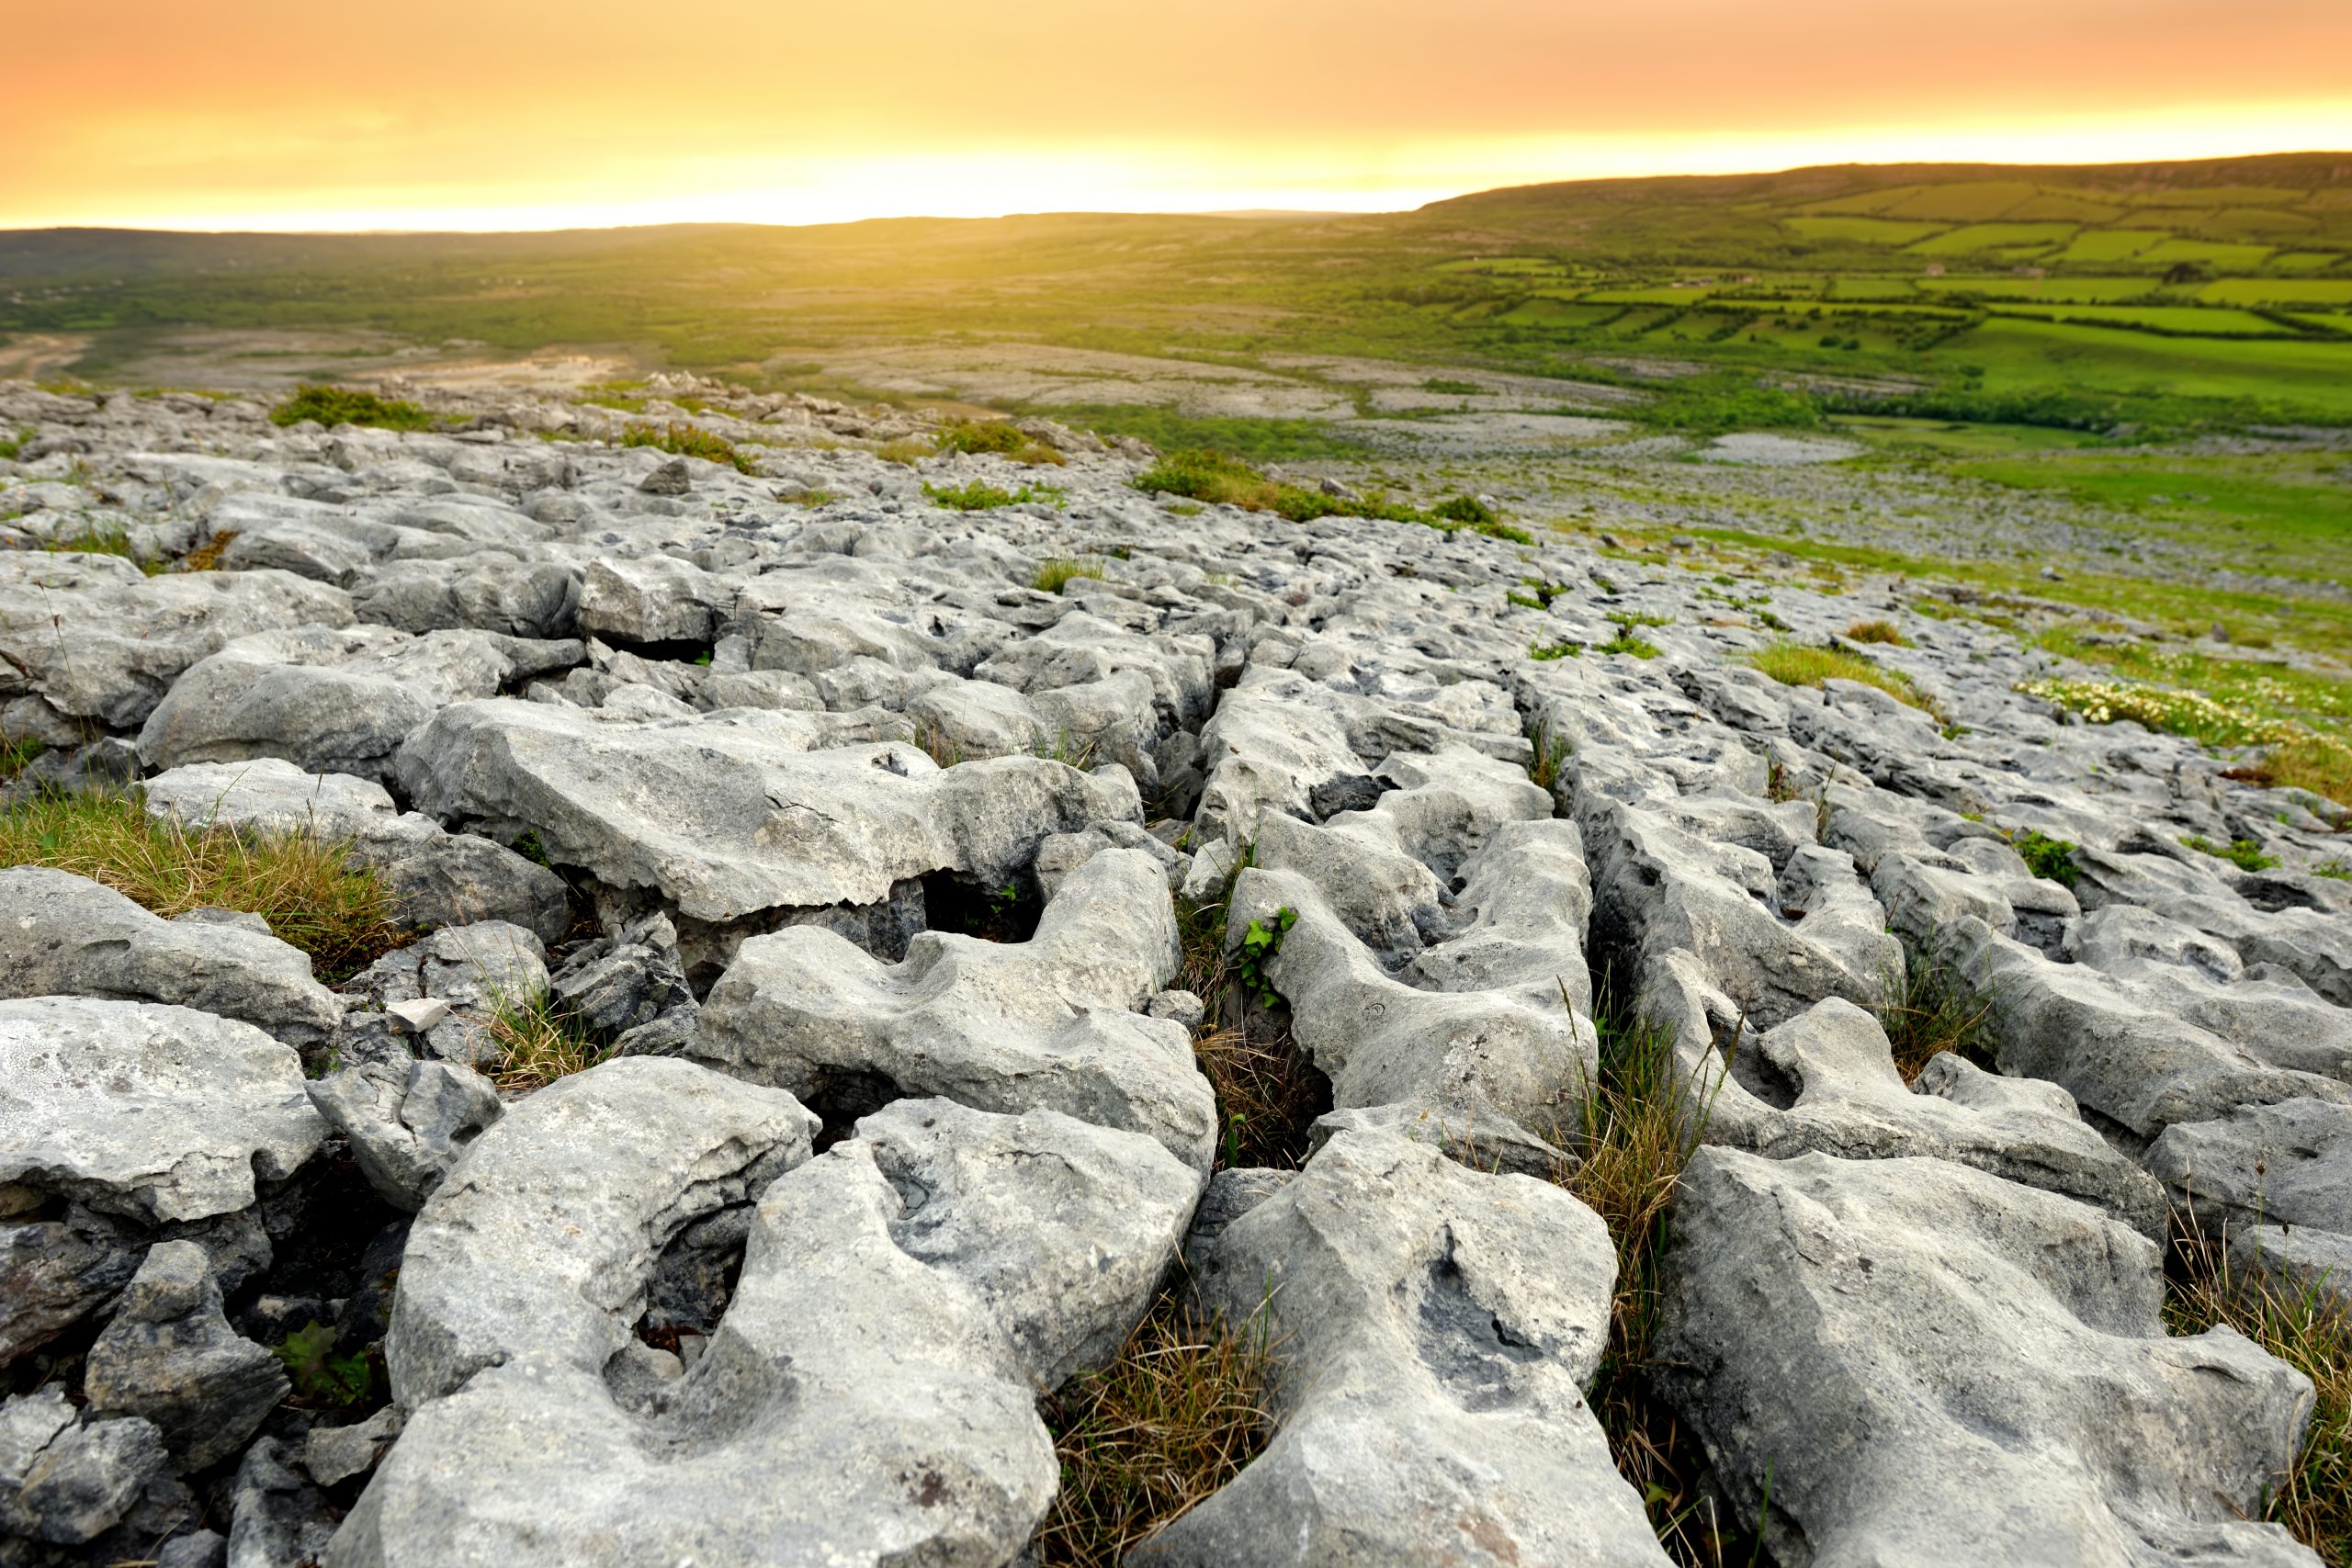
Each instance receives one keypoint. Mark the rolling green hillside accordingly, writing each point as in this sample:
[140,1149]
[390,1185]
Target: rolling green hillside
[2164,296]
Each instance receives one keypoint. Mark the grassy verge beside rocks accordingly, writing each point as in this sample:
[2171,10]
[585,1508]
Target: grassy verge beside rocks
[1175,1415]
[2308,1329]
[309,890]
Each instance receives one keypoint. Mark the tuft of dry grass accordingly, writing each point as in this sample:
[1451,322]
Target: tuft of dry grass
[1056,572]
[906,451]
[2320,763]
[2299,1325]
[1635,1130]
[309,891]
[1931,1009]
[1877,631]
[1795,664]
[537,1043]
[207,555]
[1177,1413]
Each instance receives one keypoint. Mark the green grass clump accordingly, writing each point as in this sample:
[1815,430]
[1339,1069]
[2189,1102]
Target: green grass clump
[1216,480]
[12,445]
[2243,853]
[1795,664]
[981,496]
[998,437]
[2302,1326]
[537,1043]
[18,755]
[1626,642]
[2053,860]
[314,896]
[689,441]
[1877,631]
[1058,572]
[331,406]
[107,537]
[1636,1129]
[1565,647]
[1177,1413]
[2333,868]
[1931,1009]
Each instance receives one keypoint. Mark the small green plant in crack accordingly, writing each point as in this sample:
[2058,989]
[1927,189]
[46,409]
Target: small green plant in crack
[1550,758]
[1539,595]
[322,1378]
[980,496]
[2243,853]
[1259,942]
[12,445]
[2333,868]
[1930,1008]
[2053,860]
[1565,647]
[1626,642]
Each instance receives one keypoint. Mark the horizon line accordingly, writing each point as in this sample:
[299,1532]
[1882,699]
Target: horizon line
[1259,214]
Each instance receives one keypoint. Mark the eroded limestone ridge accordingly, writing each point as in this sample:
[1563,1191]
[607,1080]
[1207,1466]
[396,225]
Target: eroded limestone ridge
[776,1068]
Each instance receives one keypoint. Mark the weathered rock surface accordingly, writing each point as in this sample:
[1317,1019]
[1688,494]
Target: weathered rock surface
[1435,1329]
[62,935]
[1005,1252]
[546,1229]
[1054,1023]
[153,1112]
[1932,1365]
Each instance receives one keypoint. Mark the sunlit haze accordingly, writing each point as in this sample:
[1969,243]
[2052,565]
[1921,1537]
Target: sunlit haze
[438,115]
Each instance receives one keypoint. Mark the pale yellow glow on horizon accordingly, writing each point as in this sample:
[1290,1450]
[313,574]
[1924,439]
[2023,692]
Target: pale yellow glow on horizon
[536,114]
[1208,178]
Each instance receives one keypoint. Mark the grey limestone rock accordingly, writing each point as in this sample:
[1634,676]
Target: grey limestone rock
[157,1114]
[64,1479]
[1932,1365]
[170,1356]
[1003,1253]
[334,1454]
[733,814]
[630,988]
[546,1229]
[62,935]
[277,1516]
[407,1123]
[338,701]
[1052,1022]
[2294,1260]
[653,599]
[1434,1327]
[2287,1163]
[53,1274]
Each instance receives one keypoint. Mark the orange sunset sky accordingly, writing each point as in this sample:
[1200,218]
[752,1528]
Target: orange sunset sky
[480,115]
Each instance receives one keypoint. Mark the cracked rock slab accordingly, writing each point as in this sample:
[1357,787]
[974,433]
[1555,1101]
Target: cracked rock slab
[1054,1023]
[546,1229]
[157,1114]
[62,935]
[1929,1365]
[730,815]
[868,1399]
[1434,1327]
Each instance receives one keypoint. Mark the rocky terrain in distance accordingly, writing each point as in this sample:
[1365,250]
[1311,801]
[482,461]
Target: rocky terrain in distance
[861,835]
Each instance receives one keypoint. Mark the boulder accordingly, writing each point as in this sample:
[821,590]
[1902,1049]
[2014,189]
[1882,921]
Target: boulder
[1053,1023]
[731,814]
[156,1113]
[1926,1364]
[2289,1163]
[1434,1328]
[407,1123]
[62,935]
[170,1356]
[67,1480]
[332,700]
